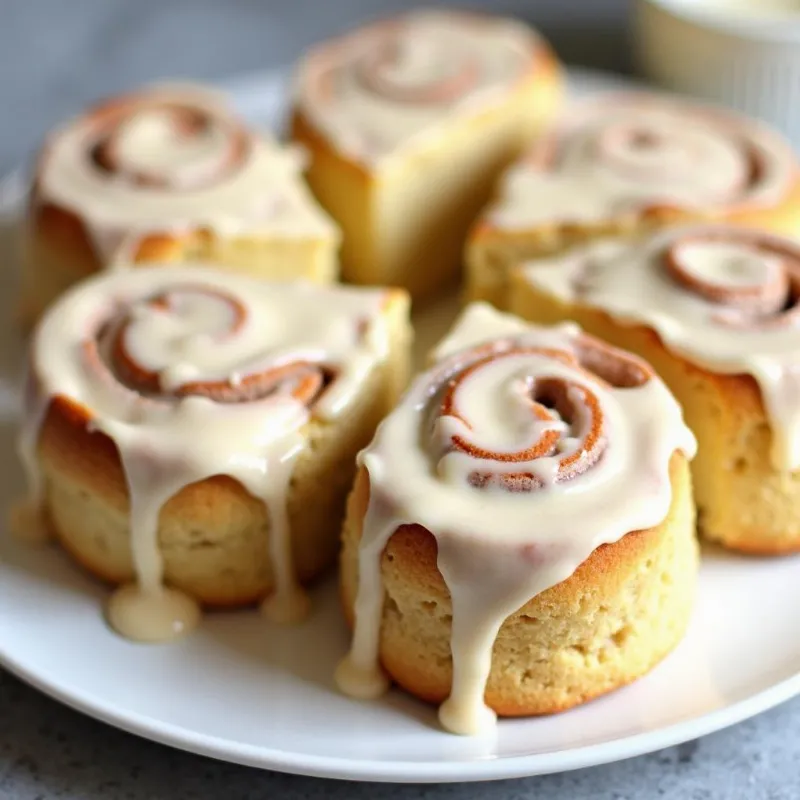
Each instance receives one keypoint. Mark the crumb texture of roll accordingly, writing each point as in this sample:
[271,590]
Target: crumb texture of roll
[624,164]
[408,122]
[715,309]
[191,435]
[169,174]
[520,537]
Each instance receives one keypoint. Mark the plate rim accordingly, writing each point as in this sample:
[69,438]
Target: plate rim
[12,192]
[479,769]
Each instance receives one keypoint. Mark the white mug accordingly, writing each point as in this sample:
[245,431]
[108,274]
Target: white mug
[741,53]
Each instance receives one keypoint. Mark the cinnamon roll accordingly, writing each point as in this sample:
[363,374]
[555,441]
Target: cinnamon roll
[716,310]
[520,538]
[624,165]
[408,122]
[169,174]
[191,435]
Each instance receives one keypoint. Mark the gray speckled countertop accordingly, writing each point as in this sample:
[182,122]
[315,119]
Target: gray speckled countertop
[57,55]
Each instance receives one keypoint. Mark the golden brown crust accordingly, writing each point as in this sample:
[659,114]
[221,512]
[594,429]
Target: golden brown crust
[405,224]
[303,131]
[615,618]
[415,548]
[64,230]
[546,70]
[213,534]
[783,217]
[744,503]
[57,253]
[493,252]
[59,248]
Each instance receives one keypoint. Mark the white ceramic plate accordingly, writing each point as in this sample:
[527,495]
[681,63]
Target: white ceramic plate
[244,691]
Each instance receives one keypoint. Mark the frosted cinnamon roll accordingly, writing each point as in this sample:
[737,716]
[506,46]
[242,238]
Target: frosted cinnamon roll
[623,165]
[408,122]
[190,435]
[520,538]
[716,310]
[169,174]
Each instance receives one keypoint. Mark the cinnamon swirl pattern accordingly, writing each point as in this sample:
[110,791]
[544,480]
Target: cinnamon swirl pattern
[171,378]
[167,171]
[724,300]
[522,451]
[441,99]
[642,154]
[622,165]
[384,86]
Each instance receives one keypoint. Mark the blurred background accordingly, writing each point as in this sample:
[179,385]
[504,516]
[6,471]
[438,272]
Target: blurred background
[57,55]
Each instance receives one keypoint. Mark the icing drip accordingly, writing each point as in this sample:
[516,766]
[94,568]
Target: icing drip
[25,518]
[173,160]
[522,451]
[193,375]
[630,154]
[374,91]
[723,298]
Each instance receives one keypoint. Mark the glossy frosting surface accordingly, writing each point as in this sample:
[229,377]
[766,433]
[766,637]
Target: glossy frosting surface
[522,450]
[721,297]
[619,155]
[387,85]
[194,373]
[172,160]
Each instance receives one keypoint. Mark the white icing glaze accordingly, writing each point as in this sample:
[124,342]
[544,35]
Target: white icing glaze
[384,87]
[497,549]
[623,154]
[180,329]
[728,265]
[730,332]
[157,615]
[174,176]
[150,143]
